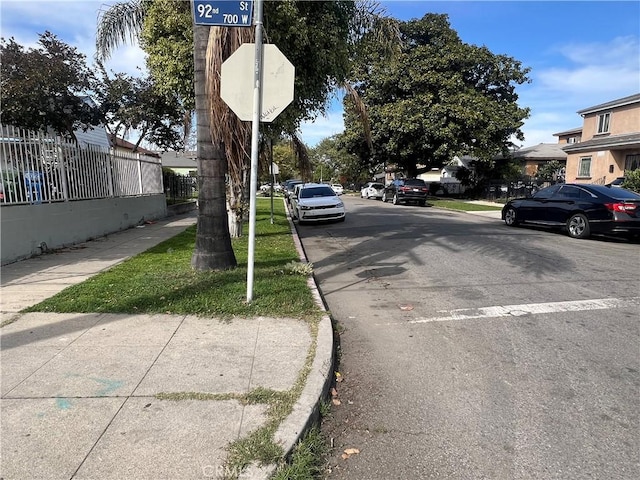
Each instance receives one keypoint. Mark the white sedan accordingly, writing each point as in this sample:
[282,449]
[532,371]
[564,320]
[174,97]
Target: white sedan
[337,188]
[372,190]
[316,202]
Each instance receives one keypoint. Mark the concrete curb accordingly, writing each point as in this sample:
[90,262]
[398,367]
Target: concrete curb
[307,408]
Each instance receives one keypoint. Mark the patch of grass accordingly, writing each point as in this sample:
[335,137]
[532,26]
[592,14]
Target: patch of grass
[259,445]
[161,280]
[306,459]
[462,205]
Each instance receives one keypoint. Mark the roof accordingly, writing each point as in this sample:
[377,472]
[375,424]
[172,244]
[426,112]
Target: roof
[456,162]
[542,151]
[606,142]
[174,159]
[568,132]
[115,142]
[621,102]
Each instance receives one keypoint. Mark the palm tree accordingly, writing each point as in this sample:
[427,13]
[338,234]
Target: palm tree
[123,22]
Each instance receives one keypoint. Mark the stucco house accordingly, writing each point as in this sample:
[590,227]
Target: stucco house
[608,143]
[532,158]
[569,137]
[182,163]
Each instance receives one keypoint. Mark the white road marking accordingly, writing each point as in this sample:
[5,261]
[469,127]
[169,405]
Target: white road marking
[499,311]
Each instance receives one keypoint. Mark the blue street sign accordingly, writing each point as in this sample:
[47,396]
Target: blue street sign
[226,13]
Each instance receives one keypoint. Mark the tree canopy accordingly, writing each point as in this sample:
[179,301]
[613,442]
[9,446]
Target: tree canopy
[433,98]
[132,104]
[51,86]
[46,87]
[312,35]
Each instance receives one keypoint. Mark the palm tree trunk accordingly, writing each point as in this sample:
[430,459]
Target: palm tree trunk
[213,250]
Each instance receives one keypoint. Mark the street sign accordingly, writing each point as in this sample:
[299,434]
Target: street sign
[237,82]
[226,13]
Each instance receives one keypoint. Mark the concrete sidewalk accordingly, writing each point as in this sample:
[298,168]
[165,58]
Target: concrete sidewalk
[140,396]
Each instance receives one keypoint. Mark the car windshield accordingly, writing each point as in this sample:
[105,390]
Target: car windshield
[415,182]
[377,185]
[312,192]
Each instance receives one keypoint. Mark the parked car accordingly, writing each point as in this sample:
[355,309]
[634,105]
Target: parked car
[339,189]
[617,182]
[313,202]
[581,209]
[289,185]
[409,190]
[266,187]
[372,190]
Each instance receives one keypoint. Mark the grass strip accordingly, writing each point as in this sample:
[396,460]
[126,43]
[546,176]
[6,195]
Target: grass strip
[462,205]
[161,280]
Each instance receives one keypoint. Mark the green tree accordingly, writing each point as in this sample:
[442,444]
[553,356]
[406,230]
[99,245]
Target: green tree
[134,104]
[551,171]
[124,22]
[313,35]
[632,180]
[284,157]
[338,165]
[46,87]
[437,97]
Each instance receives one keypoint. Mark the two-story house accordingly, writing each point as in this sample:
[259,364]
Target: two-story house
[608,143]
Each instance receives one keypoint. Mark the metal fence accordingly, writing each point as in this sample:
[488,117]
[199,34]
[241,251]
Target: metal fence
[39,168]
[179,187]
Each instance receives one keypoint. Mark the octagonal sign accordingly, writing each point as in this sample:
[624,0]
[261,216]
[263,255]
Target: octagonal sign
[236,82]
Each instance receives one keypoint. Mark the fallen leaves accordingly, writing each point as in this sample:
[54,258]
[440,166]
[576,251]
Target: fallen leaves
[334,397]
[348,452]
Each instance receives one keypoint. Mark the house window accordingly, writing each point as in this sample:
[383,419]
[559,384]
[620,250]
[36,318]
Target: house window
[632,162]
[584,167]
[572,140]
[603,122]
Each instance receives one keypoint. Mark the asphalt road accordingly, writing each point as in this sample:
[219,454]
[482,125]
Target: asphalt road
[471,350]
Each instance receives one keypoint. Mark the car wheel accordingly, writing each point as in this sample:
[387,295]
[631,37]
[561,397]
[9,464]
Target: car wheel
[422,203]
[578,226]
[511,217]
[395,200]
[384,197]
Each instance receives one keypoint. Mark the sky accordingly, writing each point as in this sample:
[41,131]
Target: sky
[581,53]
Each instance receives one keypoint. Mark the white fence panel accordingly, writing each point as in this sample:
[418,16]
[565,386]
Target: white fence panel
[38,168]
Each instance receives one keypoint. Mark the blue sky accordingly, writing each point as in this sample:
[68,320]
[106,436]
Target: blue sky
[581,53]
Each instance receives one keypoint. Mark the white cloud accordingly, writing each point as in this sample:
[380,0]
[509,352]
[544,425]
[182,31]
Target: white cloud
[584,75]
[72,21]
[322,127]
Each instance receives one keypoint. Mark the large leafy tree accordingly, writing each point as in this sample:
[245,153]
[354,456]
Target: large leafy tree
[125,21]
[313,35]
[338,164]
[46,87]
[133,104]
[435,97]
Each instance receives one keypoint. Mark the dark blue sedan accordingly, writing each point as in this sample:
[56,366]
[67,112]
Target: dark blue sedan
[581,209]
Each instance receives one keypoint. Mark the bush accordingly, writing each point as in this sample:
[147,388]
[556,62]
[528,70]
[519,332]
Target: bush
[632,180]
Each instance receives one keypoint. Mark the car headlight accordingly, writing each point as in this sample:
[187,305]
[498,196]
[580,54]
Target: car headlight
[339,205]
[304,207]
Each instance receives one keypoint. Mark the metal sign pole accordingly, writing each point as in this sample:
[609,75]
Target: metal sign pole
[255,131]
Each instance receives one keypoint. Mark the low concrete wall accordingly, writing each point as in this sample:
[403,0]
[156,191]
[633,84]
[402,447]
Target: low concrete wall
[24,228]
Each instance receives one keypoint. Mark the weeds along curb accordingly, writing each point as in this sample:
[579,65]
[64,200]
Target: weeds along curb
[306,410]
